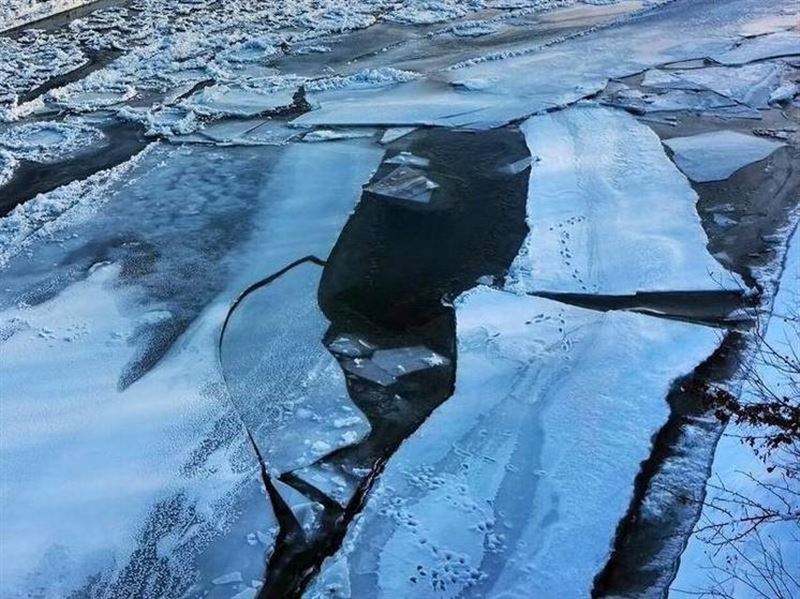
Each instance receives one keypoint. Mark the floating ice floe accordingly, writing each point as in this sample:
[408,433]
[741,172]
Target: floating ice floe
[487,498]
[394,133]
[331,480]
[385,366]
[351,347]
[715,156]
[305,511]
[749,84]
[284,383]
[608,212]
[408,159]
[405,183]
[337,134]
[224,100]
[49,141]
[773,45]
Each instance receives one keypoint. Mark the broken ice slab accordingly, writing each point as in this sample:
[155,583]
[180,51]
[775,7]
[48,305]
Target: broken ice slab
[387,365]
[715,156]
[774,45]
[539,445]
[405,183]
[608,212]
[394,133]
[750,84]
[517,167]
[399,361]
[351,346]
[286,386]
[231,131]
[338,134]
[224,100]
[408,159]
[305,511]
[333,481]
[367,369]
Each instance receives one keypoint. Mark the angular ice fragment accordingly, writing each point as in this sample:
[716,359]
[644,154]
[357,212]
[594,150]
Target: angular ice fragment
[228,578]
[749,84]
[405,360]
[224,100]
[774,45]
[408,159]
[517,167]
[306,511]
[715,156]
[405,183]
[395,133]
[608,212]
[351,346]
[278,371]
[367,369]
[539,446]
[337,134]
[331,480]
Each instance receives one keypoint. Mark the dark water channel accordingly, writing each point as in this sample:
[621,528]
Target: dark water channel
[390,281]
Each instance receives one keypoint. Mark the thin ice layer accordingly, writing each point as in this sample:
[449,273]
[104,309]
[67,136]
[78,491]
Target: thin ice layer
[608,212]
[287,387]
[488,497]
[715,156]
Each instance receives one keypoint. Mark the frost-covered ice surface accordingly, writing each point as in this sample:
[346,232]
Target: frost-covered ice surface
[286,386]
[46,141]
[111,454]
[489,496]
[609,213]
[737,469]
[717,155]
[14,13]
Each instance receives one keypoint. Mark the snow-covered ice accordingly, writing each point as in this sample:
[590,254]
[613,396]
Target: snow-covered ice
[705,567]
[49,141]
[715,156]
[488,497]
[286,386]
[608,212]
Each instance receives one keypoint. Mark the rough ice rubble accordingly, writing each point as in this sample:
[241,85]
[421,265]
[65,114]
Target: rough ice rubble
[715,156]
[287,387]
[701,565]
[609,213]
[48,141]
[7,165]
[446,518]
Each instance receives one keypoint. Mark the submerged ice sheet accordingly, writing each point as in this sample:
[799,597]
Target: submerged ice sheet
[717,155]
[287,387]
[608,212]
[488,497]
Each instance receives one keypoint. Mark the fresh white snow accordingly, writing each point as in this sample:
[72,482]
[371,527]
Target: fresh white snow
[608,212]
[514,487]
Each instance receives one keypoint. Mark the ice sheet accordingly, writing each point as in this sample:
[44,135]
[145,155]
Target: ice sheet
[704,567]
[488,497]
[287,387]
[717,155]
[608,212]
[773,45]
